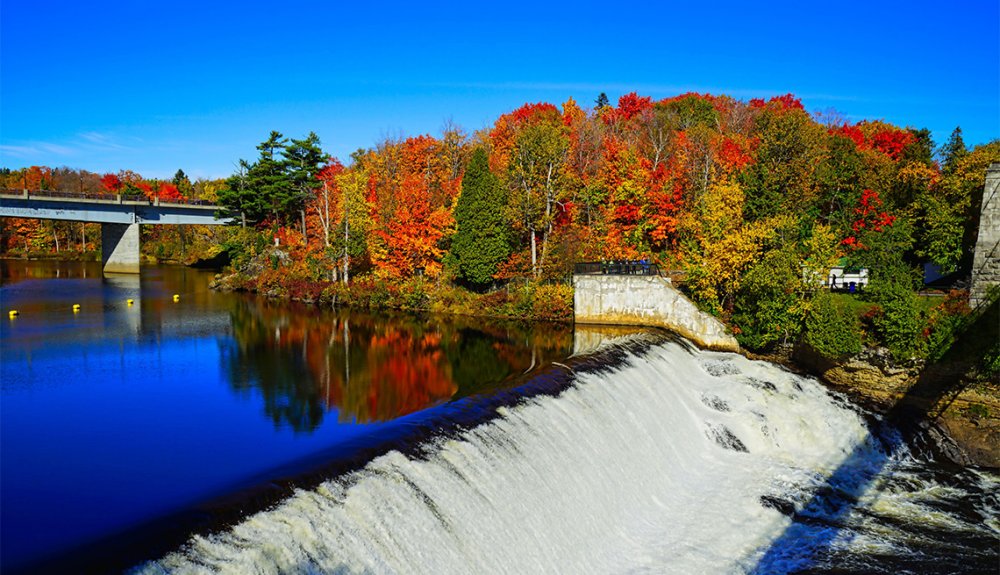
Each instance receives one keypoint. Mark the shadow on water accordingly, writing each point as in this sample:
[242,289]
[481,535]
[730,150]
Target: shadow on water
[816,526]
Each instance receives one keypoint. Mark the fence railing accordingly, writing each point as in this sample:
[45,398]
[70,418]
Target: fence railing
[617,268]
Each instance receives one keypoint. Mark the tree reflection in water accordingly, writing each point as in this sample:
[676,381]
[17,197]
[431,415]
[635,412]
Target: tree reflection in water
[304,361]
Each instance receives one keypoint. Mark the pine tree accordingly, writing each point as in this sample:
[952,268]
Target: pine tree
[303,160]
[953,151]
[263,189]
[602,101]
[237,197]
[269,179]
[481,242]
[183,184]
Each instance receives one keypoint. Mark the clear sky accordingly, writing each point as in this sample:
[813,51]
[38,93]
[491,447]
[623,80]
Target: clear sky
[154,86]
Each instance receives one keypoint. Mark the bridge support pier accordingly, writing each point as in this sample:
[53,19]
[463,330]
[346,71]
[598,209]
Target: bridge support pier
[986,259]
[120,248]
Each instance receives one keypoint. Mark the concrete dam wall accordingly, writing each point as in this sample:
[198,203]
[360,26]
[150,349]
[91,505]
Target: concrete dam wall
[646,301]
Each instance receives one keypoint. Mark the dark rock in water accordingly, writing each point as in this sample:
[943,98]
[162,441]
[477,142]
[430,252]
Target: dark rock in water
[782,506]
[716,403]
[947,446]
[761,384]
[724,437]
[720,368]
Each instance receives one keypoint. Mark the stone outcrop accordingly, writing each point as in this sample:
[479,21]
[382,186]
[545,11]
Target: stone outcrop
[962,415]
[646,301]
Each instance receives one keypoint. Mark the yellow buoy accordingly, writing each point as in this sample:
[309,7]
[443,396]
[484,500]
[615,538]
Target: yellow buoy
[177,297]
[76,307]
[130,301]
[12,313]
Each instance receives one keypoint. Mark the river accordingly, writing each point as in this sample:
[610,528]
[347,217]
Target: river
[222,433]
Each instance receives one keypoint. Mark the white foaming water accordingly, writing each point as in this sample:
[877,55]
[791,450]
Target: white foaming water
[656,467]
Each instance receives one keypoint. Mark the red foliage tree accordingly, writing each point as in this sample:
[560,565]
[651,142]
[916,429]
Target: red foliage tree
[891,142]
[111,183]
[146,189]
[781,103]
[870,218]
[631,105]
[852,133]
[167,191]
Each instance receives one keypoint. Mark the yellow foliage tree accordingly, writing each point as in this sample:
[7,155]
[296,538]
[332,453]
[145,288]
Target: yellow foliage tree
[722,246]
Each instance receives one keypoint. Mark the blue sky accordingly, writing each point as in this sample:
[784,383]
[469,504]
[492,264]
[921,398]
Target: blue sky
[156,86]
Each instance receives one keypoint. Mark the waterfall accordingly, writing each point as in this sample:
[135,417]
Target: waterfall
[670,461]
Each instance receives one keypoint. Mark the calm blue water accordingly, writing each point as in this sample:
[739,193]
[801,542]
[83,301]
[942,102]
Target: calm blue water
[116,415]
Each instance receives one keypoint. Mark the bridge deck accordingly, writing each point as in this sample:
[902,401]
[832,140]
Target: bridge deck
[105,208]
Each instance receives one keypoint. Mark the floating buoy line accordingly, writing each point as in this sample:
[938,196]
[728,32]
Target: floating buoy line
[11,314]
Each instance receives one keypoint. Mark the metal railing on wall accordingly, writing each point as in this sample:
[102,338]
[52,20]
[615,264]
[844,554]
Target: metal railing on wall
[617,268]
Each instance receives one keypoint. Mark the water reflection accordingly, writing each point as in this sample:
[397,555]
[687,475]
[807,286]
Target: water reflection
[305,362]
[97,407]
[44,294]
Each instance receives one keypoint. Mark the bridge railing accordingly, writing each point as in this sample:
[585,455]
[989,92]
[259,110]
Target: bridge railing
[106,196]
[617,267]
[56,194]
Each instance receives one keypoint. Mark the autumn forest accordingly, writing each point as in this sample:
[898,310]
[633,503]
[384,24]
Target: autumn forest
[736,198]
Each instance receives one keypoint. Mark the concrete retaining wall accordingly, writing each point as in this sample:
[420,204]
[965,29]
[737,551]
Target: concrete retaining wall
[647,301]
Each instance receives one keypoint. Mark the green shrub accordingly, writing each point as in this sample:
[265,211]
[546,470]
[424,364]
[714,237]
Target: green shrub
[991,361]
[242,245]
[413,295]
[945,323]
[978,410]
[553,302]
[831,329]
[766,309]
[900,325]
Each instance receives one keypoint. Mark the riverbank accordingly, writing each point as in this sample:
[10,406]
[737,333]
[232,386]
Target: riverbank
[64,256]
[527,301]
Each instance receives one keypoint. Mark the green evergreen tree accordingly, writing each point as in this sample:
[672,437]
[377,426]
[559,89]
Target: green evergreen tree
[921,149]
[237,197]
[265,188]
[953,151]
[269,179]
[183,183]
[482,240]
[303,160]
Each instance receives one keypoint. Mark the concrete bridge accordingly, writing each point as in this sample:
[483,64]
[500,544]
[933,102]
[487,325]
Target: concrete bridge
[119,217]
